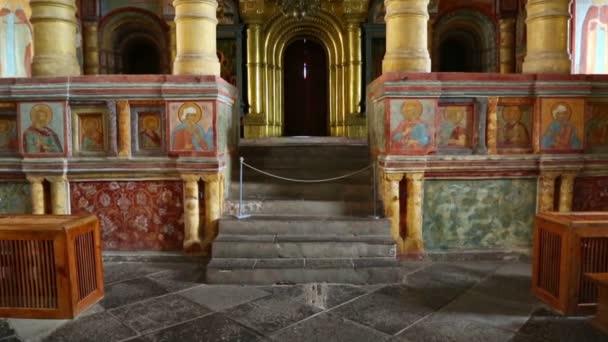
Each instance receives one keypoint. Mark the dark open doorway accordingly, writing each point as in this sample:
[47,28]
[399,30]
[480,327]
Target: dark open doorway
[305,85]
[141,57]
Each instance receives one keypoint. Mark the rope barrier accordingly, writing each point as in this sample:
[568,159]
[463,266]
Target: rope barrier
[309,180]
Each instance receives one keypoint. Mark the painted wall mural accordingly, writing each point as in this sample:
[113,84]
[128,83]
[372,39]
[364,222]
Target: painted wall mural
[91,131]
[590,194]
[227,12]
[148,130]
[134,215]
[479,214]
[16,40]
[515,127]
[562,125]
[591,37]
[15,198]
[455,126]
[596,128]
[42,128]
[191,127]
[412,126]
[8,134]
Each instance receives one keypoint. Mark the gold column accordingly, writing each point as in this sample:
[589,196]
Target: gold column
[59,195]
[192,240]
[406,36]
[123,110]
[492,128]
[547,191]
[195,31]
[37,190]
[415,193]
[54,23]
[566,191]
[507,45]
[172,43]
[390,190]
[214,199]
[91,48]
[355,65]
[548,37]
[255,121]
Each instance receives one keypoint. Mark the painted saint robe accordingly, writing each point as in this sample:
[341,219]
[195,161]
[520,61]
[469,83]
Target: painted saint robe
[41,140]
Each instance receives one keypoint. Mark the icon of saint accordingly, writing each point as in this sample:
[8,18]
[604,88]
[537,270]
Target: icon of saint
[8,136]
[92,135]
[513,132]
[561,132]
[453,131]
[39,137]
[189,135]
[411,132]
[149,135]
[597,127]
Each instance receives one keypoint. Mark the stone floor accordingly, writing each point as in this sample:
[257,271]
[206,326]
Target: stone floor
[460,301]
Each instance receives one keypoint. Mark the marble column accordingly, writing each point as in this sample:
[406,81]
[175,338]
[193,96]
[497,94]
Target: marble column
[54,23]
[507,45]
[566,191]
[91,48]
[214,203]
[192,234]
[123,110]
[548,37]
[415,194]
[37,190]
[547,191]
[390,189]
[59,195]
[195,32]
[406,36]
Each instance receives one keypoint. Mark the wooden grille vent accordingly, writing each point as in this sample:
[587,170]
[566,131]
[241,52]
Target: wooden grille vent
[594,259]
[550,260]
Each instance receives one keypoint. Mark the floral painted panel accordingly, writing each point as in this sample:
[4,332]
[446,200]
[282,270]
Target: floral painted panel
[15,198]
[590,194]
[134,215]
[479,214]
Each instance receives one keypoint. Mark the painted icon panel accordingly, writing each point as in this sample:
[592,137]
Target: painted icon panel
[455,126]
[562,125]
[191,127]
[91,132]
[42,128]
[515,126]
[412,126]
[9,143]
[148,130]
[596,128]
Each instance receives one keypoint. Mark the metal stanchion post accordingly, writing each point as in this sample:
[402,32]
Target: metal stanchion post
[240,214]
[375,192]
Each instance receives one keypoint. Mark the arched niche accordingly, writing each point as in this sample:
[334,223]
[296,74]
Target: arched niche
[471,37]
[122,31]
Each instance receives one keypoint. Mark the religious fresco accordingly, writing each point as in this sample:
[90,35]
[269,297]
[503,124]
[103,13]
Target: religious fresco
[15,198]
[91,133]
[16,45]
[226,53]
[562,125]
[591,37]
[191,127]
[227,12]
[9,143]
[134,215]
[455,126]
[148,130]
[515,127]
[479,214]
[590,194]
[42,128]
[154,6]
[412,126]
[596,128]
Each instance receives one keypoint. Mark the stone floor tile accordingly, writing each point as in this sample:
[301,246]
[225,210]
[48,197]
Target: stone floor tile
[179,279]
[129,292]
[270,314]
[100,327]
[35,329]
[10,339]
[321,295]
[5,329]
[328,328]
[221,297]
[215,327]
[120,271]
[514,288]
[545,325]
[461,275]
[448,330]
[158,313]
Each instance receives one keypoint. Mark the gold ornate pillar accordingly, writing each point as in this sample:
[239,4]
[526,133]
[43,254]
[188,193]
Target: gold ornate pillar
[548,34]
[566,191]
[492,128]
[54,23]
[192,236]
[123,110]
[59,195]
[390,189]
[415,194]
[507,45]
[406,36]
[91,48]
[546,191]
[255,121]
[195,32]
[37,190]
[214,200]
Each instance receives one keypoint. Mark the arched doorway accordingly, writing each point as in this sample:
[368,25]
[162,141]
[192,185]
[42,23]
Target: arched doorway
[460,52]
[305,82]
[140,57]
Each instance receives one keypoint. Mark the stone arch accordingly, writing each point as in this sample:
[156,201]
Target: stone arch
[122,28]
[473,30]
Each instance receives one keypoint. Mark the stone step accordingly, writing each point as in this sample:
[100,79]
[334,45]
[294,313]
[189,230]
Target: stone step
[301,271]
[305,225]
[282,190]
[291,207]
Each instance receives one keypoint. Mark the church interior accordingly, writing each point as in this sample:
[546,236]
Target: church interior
[291,144]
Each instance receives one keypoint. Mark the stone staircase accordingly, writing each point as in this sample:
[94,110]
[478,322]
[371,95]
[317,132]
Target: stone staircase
[303,232]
